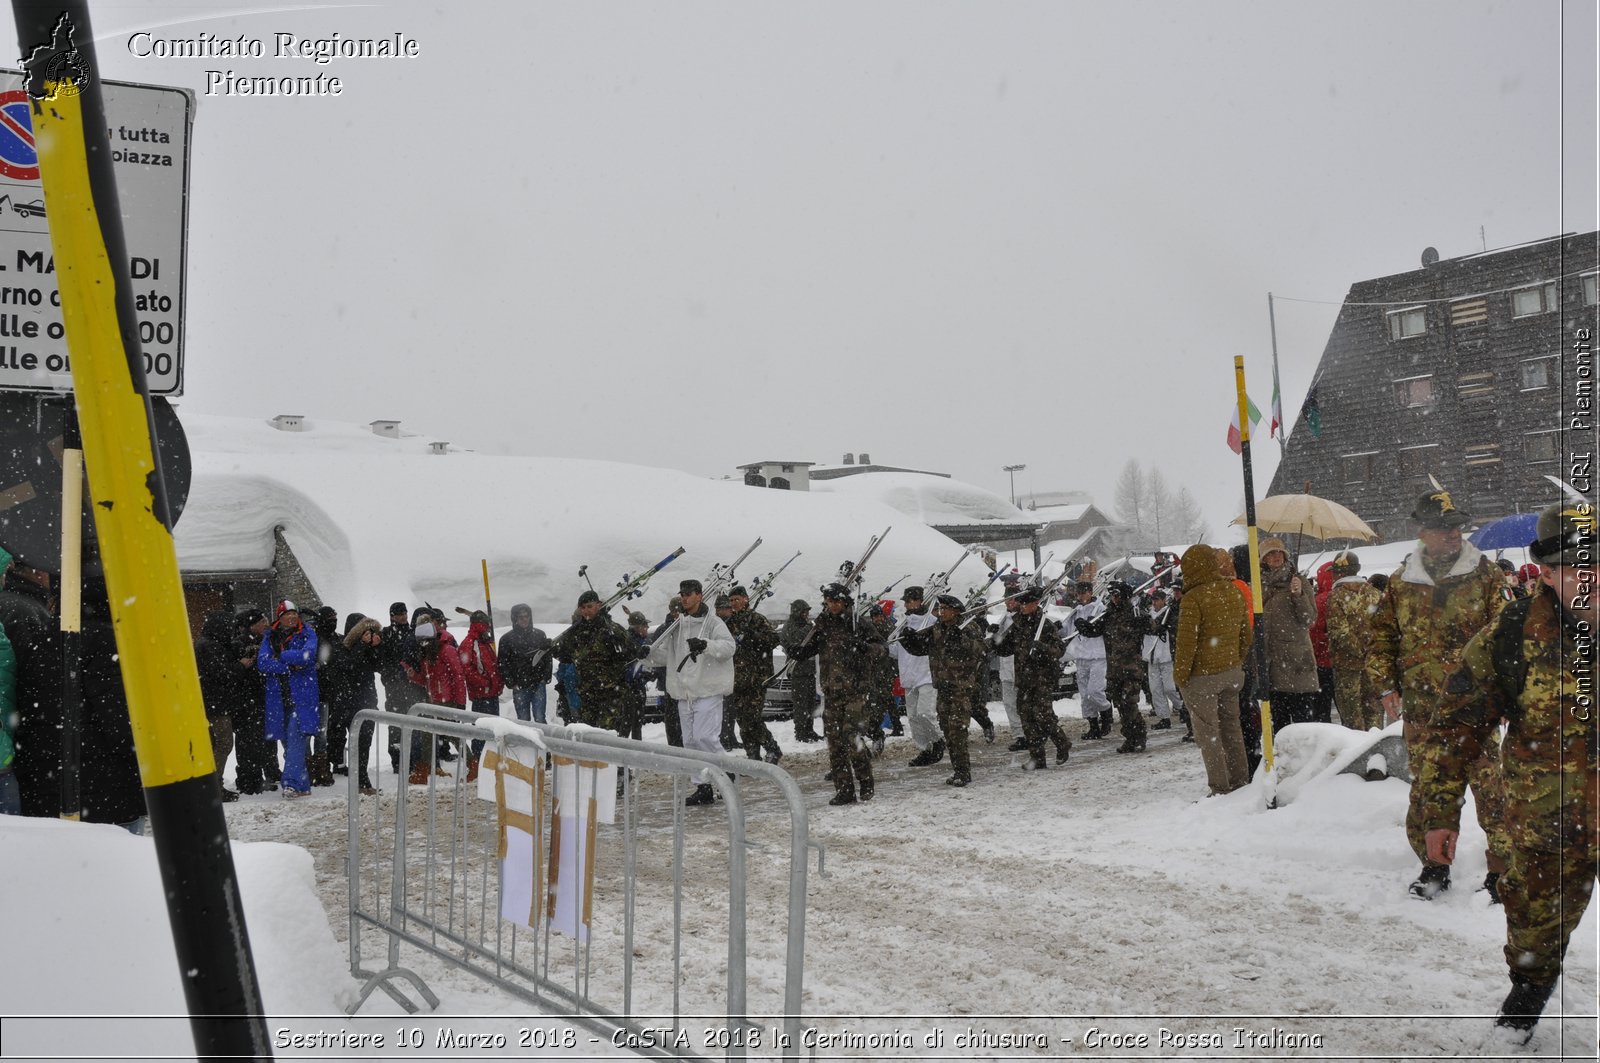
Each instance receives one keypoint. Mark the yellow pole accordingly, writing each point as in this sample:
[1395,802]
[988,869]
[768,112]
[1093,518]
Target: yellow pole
[1258,653]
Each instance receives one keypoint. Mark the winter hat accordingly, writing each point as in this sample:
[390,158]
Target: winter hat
[638,620]
[738,592]
[521,609]
[1437,509]
[948,601]
[1032,594]
[1346,563]
[250,617]
[480,617]
[1566,535]
[798,606]
[1528,573]
[1272,544]
[723,602]
[588,596]
[836,592]
[397,608]
[284,606]
[690,586]
[913,594]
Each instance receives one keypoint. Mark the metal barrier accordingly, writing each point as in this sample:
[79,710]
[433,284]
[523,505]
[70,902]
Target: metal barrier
[448,901]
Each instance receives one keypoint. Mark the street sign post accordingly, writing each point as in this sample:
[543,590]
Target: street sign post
[148,127]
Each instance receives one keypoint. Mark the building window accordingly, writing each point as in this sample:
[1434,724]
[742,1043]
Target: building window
[1590,294]
[1417,462]
[1541,446]
[1475,387]
[1467,312]
[780,483]
[1539,299]
[1539,373]
[1414,392]
[1482,454]
[1403,324]
[754,479]
[787,468]
[1358,468]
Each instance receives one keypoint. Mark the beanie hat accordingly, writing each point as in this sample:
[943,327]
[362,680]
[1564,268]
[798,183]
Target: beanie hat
[284,606]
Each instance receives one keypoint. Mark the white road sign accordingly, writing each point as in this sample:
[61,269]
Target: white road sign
[149,129]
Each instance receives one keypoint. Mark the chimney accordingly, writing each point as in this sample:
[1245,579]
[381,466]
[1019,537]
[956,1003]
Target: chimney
[288,422]
[864,460]
[849,459]
[438,448]
[386,429]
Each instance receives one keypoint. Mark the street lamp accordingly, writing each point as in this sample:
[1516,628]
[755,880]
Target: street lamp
[1013,470]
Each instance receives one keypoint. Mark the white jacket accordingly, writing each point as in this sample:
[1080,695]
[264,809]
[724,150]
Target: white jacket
[1082,647]
[914,671]
[706,676]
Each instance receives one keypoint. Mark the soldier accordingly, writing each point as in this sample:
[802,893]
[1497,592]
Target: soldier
[917,680]
[601,650]
[803,676]
[1090,653]
[1123,631]
[697,653]
[1443,594]
[752,667]
[1037,659]
[637,676]
[1006,669]
[1534,667]
[730,740]
[1351,603]
[955,655]
[843,649]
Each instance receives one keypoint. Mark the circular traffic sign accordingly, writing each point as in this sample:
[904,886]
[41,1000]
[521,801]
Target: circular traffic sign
[19,159]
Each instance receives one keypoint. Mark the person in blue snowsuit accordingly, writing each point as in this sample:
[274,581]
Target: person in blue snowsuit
[287,662]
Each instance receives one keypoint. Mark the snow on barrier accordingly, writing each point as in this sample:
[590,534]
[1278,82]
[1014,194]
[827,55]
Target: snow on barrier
[1306,753]
[556,878]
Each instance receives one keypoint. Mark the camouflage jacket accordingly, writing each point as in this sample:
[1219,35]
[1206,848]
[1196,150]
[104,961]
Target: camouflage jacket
[1548,758]
[955,654]
[752,660]
[845,651]
[600,649]
[1123,631]
[1421,626]
[1351,603]
[1038,661]
[790,636]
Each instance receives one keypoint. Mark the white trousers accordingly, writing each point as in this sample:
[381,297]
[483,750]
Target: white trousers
[923,716]
[1008,698]
[701,721]
[1092,686]
[1163,691]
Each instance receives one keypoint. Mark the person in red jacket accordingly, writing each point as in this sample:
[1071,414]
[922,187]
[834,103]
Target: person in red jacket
[438,670]
[482,672]
[1323,713]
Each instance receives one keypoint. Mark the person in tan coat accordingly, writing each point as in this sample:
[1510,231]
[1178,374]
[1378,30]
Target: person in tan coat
[1288,608]
[1207,664]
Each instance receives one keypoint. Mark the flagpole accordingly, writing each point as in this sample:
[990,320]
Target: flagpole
[1277,393]
[1258,644]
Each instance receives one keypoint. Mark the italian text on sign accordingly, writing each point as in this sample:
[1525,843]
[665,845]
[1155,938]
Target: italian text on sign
[148,127]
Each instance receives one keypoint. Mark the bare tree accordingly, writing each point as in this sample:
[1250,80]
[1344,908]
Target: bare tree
[1188,526]
[1130,496]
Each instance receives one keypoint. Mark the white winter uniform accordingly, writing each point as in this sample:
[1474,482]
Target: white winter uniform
[701,684]
[1090,654]
[916,679]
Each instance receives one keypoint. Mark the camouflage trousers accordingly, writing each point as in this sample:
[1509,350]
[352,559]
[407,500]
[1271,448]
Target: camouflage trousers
[1483,775]
[1358,709]
[847,722]
[1123,686]
[1039,722]
[1545,895]
[954,707]
[747,706]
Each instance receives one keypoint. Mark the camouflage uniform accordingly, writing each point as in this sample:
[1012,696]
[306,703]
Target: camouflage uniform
[1421,625]
[1351,604]
[1549,770]
[956,655]
[803,676]
[882,674]
[600,649]
[1124,632]
[1038,667]
[844,650]
[752,667]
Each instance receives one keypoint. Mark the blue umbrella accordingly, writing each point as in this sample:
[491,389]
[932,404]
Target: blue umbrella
[1507,533]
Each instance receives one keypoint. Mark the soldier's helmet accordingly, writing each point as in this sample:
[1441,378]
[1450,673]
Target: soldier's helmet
[1437,509]
[1346,563]
[1566,535]
[1120,588]
[837,592]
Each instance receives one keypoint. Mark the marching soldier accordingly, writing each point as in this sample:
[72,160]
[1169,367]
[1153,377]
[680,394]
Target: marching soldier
[1533,667]
[1038,667]
[1351,604]
[1443,595]
[844,649]
[601,650]
[955,656]
[752,667]
[1123,631]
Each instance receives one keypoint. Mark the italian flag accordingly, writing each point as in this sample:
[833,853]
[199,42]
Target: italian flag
[1235,440]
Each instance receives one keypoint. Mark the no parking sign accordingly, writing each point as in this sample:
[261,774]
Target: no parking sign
[148,127]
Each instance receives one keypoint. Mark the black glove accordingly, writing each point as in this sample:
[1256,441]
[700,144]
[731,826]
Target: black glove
[641,652]
[696,646]
[1083,627]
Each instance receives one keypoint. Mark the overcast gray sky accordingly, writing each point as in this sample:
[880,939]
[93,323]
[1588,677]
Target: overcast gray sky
[955,235]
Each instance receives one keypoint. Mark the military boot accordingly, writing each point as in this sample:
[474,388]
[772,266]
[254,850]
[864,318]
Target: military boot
[1017,746]
[932,755]
[1523,1006]
[1063,749]
[1434,880]
[1105,724]
[703,795]
[843,797]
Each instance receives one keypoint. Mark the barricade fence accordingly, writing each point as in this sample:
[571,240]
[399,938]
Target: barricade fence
[569,874]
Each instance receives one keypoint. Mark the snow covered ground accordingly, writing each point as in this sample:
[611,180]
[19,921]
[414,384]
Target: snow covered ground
[1092,905]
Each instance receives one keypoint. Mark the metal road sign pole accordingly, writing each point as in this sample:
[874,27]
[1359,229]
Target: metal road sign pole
[134,530]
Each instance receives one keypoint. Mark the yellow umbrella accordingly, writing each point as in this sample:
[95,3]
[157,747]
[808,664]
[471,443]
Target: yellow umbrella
[1309,515]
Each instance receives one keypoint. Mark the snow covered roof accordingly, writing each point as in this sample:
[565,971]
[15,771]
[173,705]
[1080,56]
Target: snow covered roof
[931,499]
[374,519]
